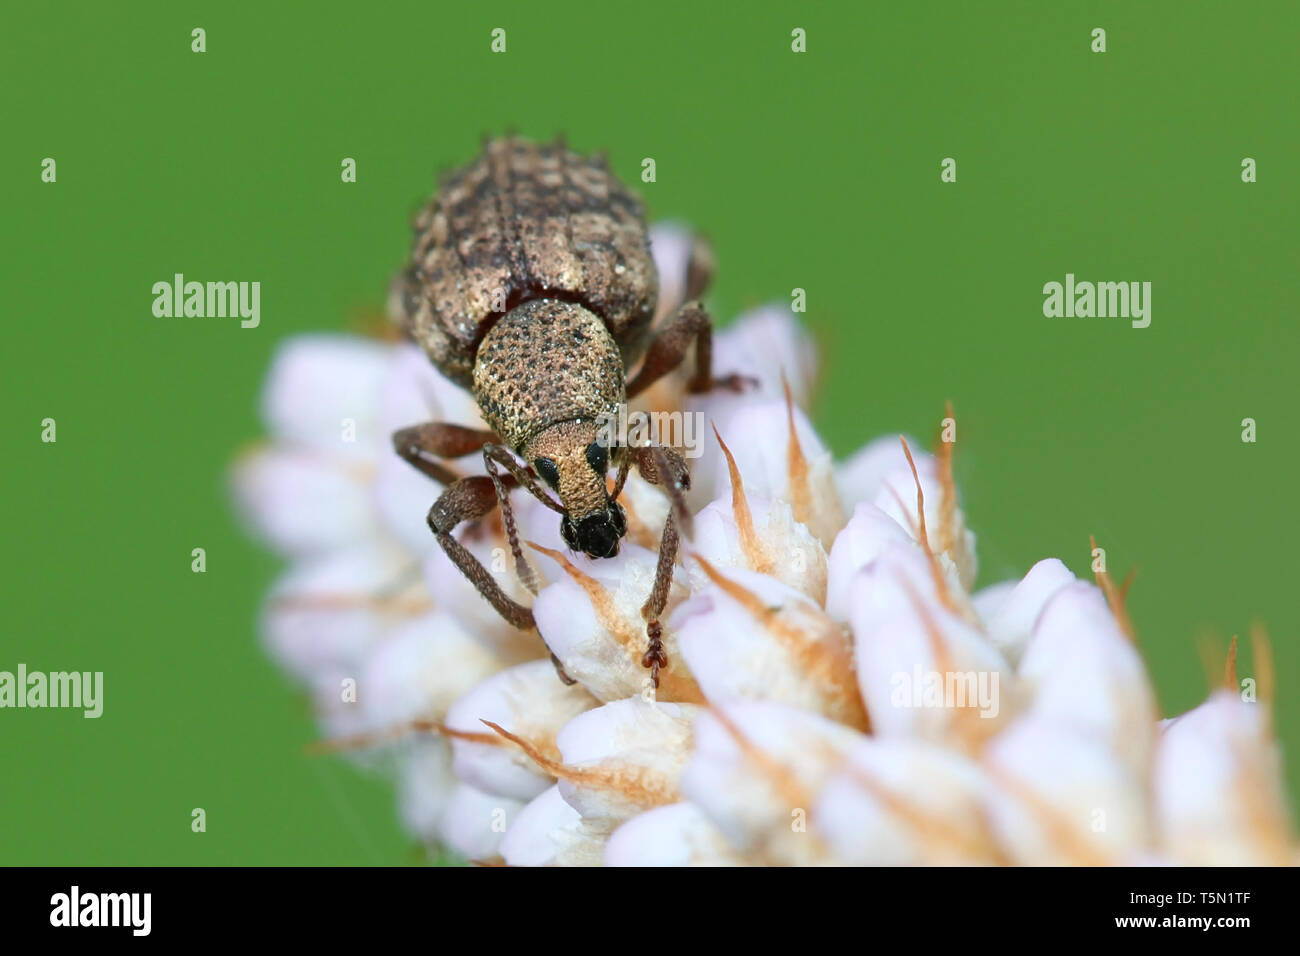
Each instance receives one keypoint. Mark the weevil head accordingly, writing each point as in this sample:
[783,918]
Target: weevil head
[573,459]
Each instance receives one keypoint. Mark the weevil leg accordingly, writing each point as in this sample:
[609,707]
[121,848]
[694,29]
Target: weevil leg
[664,467]
[469,499]
[623,460]
[560,672]
[700,266]
[523,477]
[656,461]
[669,348]
[494,455]
[655,655]
[425,445]
[466,498]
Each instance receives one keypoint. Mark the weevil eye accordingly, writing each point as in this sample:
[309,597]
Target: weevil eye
[598,457]
[548,470]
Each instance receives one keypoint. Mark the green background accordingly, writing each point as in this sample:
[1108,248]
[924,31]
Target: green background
[818,170]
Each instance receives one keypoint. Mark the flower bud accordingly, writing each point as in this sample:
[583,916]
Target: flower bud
[529,700]
[675,835]
[1218,789]
[624,757]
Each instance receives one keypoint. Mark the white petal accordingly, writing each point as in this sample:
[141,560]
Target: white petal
[323,389]
[420,670]
[330,611]
[989,600]
[339,714]
[897,498]
[646,508]
[528,700]
[424,786]
[401,498]
[474,823]
[758,436]
[415,392]
[867,535]
[1058,797]
[628,756]
[862,477]
[1218,789]
[1009,628]
[549,832]
[600,639]
[538,524]
[1079,668]
[768,343]
[924,671]
[303,503]
[904,802]
[776,544]
[675,835]
[670,246]
[738,648]
[759,793]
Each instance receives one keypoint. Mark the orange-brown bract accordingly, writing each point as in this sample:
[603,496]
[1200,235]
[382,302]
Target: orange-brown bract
[531,284]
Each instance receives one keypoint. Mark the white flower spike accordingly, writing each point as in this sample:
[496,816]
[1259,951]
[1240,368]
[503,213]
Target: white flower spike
[836,693]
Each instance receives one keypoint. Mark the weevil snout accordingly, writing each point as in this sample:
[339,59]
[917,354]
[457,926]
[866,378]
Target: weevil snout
[572,459]
[597,535]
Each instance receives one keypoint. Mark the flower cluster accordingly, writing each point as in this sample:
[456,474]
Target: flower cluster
[837,692]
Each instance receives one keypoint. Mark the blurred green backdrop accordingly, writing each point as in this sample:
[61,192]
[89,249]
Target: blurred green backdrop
[818,170]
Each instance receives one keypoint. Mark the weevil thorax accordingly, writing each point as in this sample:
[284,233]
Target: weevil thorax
[547,377]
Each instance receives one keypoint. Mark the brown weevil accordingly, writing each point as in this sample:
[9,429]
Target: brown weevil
[531,284]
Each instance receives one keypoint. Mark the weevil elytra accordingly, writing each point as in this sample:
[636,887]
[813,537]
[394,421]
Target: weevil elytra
[531,284]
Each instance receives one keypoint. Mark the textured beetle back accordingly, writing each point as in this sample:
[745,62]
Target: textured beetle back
[525,221]
[546,362]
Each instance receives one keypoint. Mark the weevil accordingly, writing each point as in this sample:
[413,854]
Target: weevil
[531,284]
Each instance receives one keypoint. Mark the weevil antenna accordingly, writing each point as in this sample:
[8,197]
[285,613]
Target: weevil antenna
[523,570]
[625,465]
